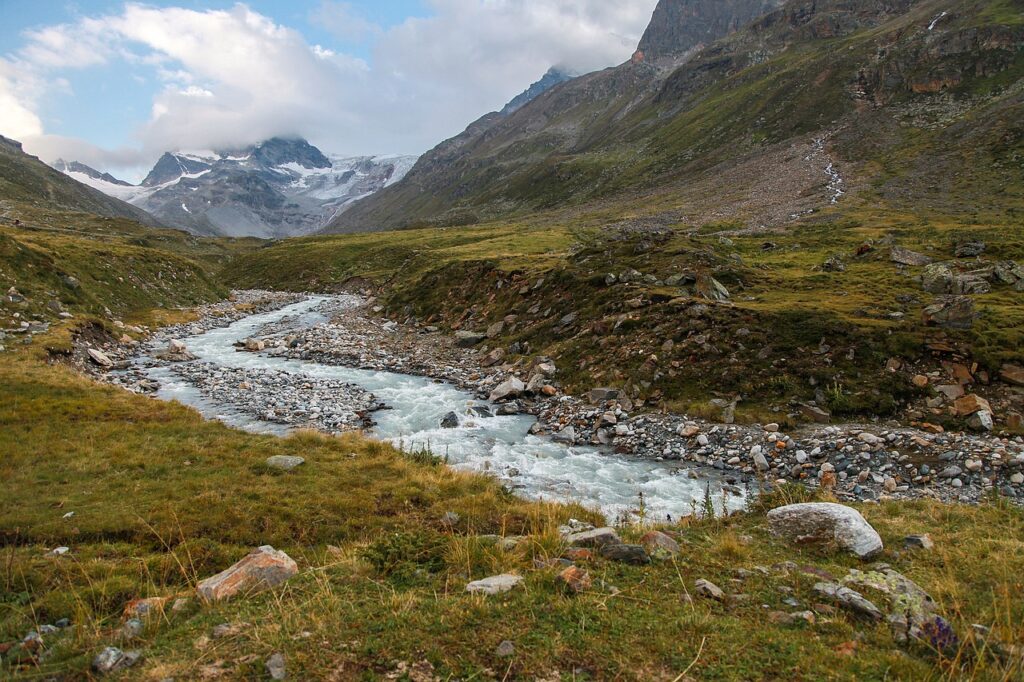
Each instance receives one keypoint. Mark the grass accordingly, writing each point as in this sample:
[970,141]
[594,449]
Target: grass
[782,300]
[86,264]
[162,499]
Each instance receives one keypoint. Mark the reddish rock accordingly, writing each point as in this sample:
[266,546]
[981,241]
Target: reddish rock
[659,545]
[142,608]
[574,580]
[578,554]
[1012,374]
[920,381]
[971,403]
[263,568]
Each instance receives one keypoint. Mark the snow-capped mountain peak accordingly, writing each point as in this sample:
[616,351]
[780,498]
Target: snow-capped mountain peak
[279,187]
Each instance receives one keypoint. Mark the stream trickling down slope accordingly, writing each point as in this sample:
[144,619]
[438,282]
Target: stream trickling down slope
[534,466]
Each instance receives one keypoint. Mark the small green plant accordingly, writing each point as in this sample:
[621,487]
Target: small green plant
[403,555]
[708,504]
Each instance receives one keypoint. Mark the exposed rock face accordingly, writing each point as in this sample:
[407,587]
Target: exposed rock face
[825,523]
[262,569]
[679,26]
[553,77]
[69,167]
[606,133]
[278,188]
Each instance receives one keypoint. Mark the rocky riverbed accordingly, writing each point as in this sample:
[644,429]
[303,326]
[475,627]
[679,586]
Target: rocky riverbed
[858,461]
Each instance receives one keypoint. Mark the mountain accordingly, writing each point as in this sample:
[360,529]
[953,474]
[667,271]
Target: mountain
[553,77]
[755,112]
[24,178]
[74,167]
[679,27]
[278,188]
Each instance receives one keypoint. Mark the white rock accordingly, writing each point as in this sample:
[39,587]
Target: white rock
[496,584]
[100,358]
[284,462]
[825,522]
[511,388]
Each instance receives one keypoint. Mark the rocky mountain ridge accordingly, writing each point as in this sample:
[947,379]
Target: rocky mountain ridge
[714,107]
[26,179]
[277,188]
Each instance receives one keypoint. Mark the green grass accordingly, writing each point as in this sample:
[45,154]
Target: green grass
[162,498]
[473,276]
[89,264]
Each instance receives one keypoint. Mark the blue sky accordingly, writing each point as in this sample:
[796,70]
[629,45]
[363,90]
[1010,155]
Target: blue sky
[114,83]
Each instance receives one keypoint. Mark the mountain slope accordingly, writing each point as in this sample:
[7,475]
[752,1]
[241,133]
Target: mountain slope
[24,178]
[278,188]
[755,127]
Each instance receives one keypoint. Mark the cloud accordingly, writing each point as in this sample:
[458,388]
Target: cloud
[18,97]
[233,77]
[344,21]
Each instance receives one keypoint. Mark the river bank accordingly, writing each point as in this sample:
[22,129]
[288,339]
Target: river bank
[330,364]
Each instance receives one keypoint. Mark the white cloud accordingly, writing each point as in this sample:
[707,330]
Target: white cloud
[18,95]
[234,76]
[344,21]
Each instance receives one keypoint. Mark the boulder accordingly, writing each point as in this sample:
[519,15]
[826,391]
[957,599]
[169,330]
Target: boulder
[981,421]
[627,554]
[659,545]
[261,569]
[601,395]
[1012,374]
[113,659]
[903,256]
[495,329]
[971,403]
[849,599]
[922,541]
[507,390]
[450,421]
[710,288]
[573,580]
[100,358]
[493,358]
[495,584]
[826,522]
[815,414]
[566,436]
[254,345]
[284,462]
[468,339]
[953,312]
[969,249]
[938,278]
[175,347]
[709,590]
[598,537]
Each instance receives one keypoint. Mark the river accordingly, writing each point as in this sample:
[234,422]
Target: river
[533,466]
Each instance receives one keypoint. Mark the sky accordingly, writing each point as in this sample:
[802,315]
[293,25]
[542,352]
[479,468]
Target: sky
[115,84]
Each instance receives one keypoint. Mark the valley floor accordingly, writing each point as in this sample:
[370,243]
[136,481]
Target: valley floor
[148,499]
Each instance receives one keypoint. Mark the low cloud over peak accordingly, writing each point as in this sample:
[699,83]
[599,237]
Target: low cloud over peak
[225,78]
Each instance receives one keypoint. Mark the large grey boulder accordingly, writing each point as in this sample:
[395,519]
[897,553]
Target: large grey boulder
[953,312]
[468,339]
[903,256]
[597,537]
[507,390]
[826,523]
